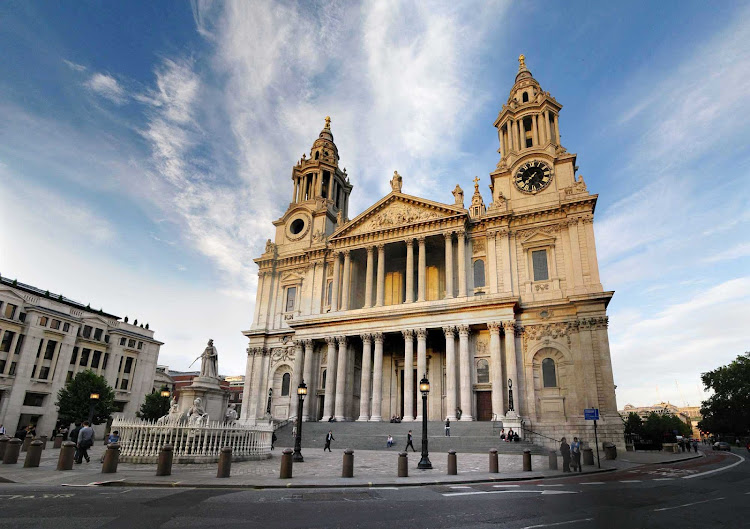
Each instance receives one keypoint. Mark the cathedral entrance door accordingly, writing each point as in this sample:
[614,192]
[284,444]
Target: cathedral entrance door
[484,405]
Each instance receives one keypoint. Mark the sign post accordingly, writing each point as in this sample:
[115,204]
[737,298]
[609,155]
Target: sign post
[592,414]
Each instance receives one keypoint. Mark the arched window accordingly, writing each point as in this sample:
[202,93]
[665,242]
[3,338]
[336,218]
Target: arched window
[324,379]
[549,374]
[285,381]
[478,273]
[483,372]
[525,97]
[317,154]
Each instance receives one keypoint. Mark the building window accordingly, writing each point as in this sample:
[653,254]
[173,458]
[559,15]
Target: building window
[34,399]
[87,331]
[44,373]
[291,294]
[128,365]
[140,345]
[131,343]
[122,341]
[19,344]
[104,364]
[43,321]
[85,357]
[124,383]
[74,356]
[55,324]
[478,273]
[120,406]
[549,374]
[323,386]
[539,261]
[22,316]
[7,341]
[12,369]
[483,372]
[2,366]
[285,381]
[49,352]
[95,359]
[10,311]
[98,335]
[525,98]
[66,327]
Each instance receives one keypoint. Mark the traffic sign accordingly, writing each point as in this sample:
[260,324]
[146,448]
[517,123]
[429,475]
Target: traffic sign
[591,414]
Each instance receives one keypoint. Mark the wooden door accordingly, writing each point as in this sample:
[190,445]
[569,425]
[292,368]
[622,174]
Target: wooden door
[484,405]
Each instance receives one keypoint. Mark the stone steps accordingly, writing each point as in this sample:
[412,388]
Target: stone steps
[469,437]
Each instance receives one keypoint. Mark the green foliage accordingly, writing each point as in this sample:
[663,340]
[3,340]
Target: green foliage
[73,400]
[153,407]
[728,409]
[633,423]
[662,427]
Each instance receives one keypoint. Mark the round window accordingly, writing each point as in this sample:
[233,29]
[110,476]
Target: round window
[297,226]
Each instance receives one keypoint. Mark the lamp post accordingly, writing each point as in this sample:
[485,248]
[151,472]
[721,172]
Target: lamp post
[165,393]
[424,387]
[301,393]
[93,398]
[268,406]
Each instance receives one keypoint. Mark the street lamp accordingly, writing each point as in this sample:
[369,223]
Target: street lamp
[301,393]
[268,406]
[93,398]
[424,387]
[165,393]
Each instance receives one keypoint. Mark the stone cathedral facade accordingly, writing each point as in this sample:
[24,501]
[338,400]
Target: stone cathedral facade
[499,305]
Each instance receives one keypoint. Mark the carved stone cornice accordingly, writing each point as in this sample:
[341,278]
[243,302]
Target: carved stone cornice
[593,324]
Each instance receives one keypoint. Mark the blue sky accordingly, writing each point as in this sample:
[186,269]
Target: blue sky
[145,148]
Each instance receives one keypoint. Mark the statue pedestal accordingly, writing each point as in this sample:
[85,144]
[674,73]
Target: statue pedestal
[214,399]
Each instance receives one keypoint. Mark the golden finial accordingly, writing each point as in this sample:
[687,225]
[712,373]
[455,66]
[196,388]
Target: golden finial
[328,122]
[522,62]
[476,182]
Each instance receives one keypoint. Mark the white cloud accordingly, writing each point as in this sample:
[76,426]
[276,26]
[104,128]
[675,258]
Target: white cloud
[106,86]
[735,252]
[75,66]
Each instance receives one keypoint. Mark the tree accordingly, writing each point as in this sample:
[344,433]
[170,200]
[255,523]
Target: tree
[728,409]
[153,407]
[633,424]
[74,399]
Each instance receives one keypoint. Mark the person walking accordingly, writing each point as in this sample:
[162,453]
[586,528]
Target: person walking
[565,451]
[575,453]
[85,441]
[447,427]
[2,429]
[389,441]
[73,436]
[329,438]
[409,442]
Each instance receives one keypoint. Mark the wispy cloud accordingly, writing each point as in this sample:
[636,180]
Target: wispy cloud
[75,66]
[735,252]
[106,86]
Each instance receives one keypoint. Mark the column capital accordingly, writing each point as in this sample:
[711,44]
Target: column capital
[461,233]
[449,331]
[331,340]
[366,337]
[421,334]
[308,343]
[341,340]
[509,326]
[381,246]
[378,337]
[265,351]
[463,329]
[346,252]
[494,327]
[370,250]
[448,235]
[421,240]
[410,242]
[408,334]
[298,343]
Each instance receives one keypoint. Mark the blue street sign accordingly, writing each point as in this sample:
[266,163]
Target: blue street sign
[591,414]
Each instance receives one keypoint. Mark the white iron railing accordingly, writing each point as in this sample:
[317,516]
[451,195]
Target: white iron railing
[141,441]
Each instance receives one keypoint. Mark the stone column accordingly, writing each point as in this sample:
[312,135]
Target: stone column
[505,262]
[497,370]
[422,270]
[364,395]
[368,276]
[511,141]
[296,377]
[510,364]
[330,389]
[556,132]
[340,412]
[377,377]
[575,249]
[492,261]
[346,281]
[588,230]
[335,288]
[461,241]
[448,264]
[421,363]
[296,184]
[380,301]
[307,376]
[450,372]
[409,270]
[534,131]
[545,127]
[408,375]
[465,369]
[265,361]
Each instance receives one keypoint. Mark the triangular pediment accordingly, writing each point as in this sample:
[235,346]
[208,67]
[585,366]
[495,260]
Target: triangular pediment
[538,237]
[396,210]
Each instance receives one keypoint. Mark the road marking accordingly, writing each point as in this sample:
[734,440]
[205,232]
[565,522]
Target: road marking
[686,505]
[555,485]
[741,460]
[558,523]
[630,481]
[499,486]
[543,492]
[593,483]
[664,479]
[387,488]
[460,487]
[33,496]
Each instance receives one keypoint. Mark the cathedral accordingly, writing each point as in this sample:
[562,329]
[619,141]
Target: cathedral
[498,305]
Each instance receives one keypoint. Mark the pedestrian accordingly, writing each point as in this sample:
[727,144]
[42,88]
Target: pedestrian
[509,437]
[502,434]
[447,427]
[294,432]
[565,451]
[389,441]
[114,437]
[73,436]
[20,433]
[85,441]
[575,454]
[329,438]
[2,429]
[273,439]
[695,446]
[409,442]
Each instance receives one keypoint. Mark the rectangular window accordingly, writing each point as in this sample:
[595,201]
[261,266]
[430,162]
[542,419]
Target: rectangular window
[66,327]
[87,331]
[44,373]
[55,324]
[539,260]
[85,357]
[291,294]
[120,406]
[96,359]
[19,344]
[104,364]
[43,321]
[74,356]
[69,377]
[10,311]
[122,341]
[140,345]
[39,350]
[124,383]
[7,340]
[12,369]
[128,365]
[131,343]
[2,366]
[98,335]
[22,316]
[49,352]
[34,399]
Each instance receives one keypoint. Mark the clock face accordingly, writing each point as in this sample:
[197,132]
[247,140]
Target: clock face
[533,176]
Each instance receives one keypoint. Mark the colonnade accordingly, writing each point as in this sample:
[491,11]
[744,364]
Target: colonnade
[544,130]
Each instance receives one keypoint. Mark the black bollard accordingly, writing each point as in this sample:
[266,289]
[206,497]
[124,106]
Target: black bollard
[493,461]
[11,451]
[527,460]
[34,454]
[553,459]
[58,441]
[3,445]
[164,464]
[67,453]
[452,463]
[286,464]
[225,463]
[43,439]
[348,468]
[403,464]
[111,458]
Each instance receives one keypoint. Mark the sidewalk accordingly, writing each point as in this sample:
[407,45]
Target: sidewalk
[372,468]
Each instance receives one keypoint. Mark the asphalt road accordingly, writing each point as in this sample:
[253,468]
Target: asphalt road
[710,492]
